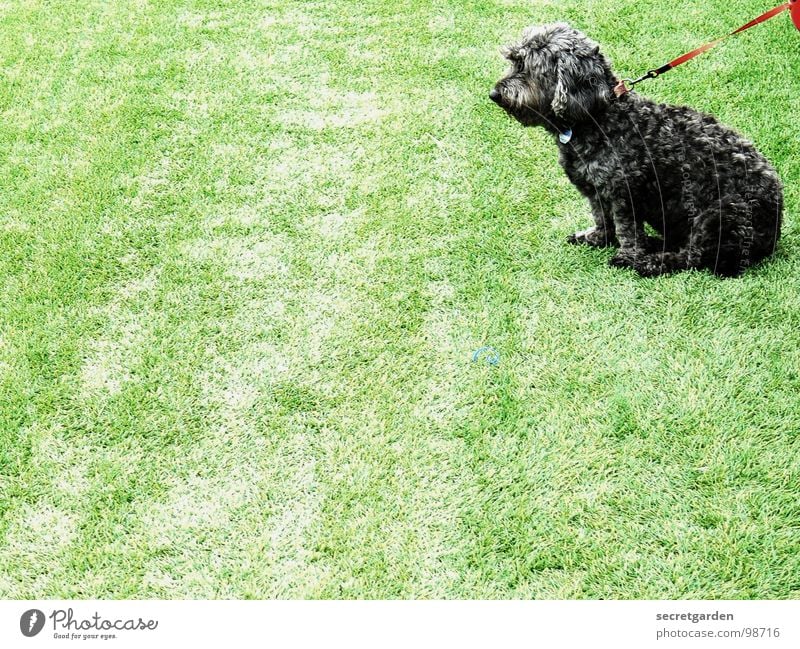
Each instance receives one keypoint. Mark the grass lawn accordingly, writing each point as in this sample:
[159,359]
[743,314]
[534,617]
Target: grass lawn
[247,249]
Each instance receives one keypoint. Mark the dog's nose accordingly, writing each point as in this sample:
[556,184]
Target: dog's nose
[494,95]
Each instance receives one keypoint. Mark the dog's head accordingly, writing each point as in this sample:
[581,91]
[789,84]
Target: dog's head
[558,78]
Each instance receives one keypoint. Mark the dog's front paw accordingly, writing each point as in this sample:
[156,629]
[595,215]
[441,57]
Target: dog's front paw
[623,259]
[597,238]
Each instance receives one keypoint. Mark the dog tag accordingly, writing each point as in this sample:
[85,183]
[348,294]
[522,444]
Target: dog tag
[565,137]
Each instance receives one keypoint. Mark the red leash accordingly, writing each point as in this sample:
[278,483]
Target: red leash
[626,85]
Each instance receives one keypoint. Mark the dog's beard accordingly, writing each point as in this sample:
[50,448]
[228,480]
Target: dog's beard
[517,94]
[527,115]
[524,103]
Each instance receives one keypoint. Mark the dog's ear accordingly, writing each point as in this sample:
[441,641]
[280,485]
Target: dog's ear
[510,52]
[560,99]
[582,87]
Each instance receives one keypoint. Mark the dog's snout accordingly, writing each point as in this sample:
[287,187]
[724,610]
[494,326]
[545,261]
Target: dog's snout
[494,95]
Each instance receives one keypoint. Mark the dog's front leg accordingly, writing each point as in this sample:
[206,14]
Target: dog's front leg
[602,234]
[631,236]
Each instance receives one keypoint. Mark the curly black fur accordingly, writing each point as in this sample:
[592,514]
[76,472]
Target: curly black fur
[714,200]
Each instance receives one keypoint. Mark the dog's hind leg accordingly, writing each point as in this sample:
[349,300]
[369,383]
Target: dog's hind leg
[729,239]
[661,263]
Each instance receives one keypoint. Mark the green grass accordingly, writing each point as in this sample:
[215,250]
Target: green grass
[247,250]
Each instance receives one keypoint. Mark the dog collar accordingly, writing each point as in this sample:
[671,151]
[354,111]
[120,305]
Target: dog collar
[565,136]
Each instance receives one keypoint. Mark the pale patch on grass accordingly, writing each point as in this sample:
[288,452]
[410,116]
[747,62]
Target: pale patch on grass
[442,23]
[295,573]
[69,462]
[133,288]
[109,358]
[294,20]
[332,109]
[270,360]
[335,225]
[204,56]
[220,472]
[296,169]
[285,55]
[246,215]
[190,19]
[150,184]
[223,471]
[307,166]
[192,102]
[226,150]
[156,579]
[108,364]
[280,143]
[255,322]
[234,478]
[208,21]
[7,353]
[434,507]
[368,51]
[321,318]
[201,502]
[450,349]
[11,225]
[36,538]
[231,481]
[244,258]
[267,22]
[258,259]
[286,537]
[239,392]
[253,61]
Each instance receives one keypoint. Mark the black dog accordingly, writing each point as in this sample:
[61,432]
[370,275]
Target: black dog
[712,197]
